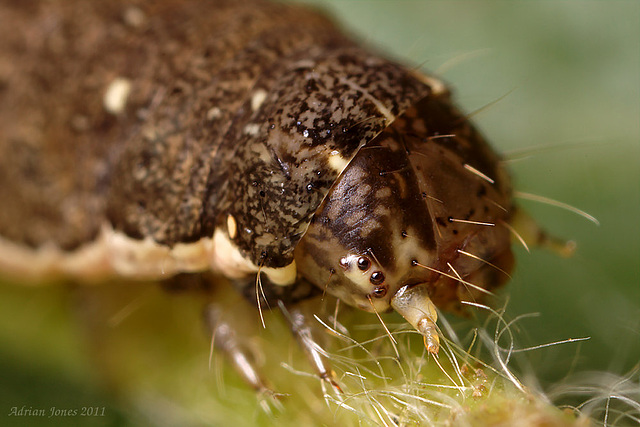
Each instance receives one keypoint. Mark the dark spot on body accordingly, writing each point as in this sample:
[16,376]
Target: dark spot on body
[312,86]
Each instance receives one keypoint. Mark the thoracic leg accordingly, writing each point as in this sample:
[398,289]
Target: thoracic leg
[226,341]
[290,300]
[303,332]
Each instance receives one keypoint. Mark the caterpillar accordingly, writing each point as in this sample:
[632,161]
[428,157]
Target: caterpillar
[368,184]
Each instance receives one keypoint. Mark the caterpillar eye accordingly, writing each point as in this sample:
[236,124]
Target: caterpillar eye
[377,277]
[364,263]
[380,291]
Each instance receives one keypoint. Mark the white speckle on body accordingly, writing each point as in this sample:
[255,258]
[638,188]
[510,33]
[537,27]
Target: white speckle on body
[252,129]
[232,227]
[213,113]
[134,17]
[336,161]
[303,63]
[116,95]
[257,99]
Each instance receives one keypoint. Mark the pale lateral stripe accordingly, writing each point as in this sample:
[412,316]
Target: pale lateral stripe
[111,254]
[114,254]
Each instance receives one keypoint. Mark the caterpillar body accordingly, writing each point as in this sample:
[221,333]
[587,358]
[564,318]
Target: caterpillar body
[149,140]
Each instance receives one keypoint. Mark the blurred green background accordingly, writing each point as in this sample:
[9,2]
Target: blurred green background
[565,75]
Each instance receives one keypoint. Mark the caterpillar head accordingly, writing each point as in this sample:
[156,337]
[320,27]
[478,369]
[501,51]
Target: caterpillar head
[413,222]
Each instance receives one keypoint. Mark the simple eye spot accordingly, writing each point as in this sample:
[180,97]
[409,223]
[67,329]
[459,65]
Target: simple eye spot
[364,272]
[377,278]
[380,291]
[364,263]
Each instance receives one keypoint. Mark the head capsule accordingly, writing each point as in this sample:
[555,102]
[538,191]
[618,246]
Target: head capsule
[417,218]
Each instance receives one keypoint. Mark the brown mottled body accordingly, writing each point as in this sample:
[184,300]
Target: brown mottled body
[148,139]
[160,167]
[72,164]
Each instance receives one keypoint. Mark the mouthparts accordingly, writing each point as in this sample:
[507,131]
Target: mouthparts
[413,303]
